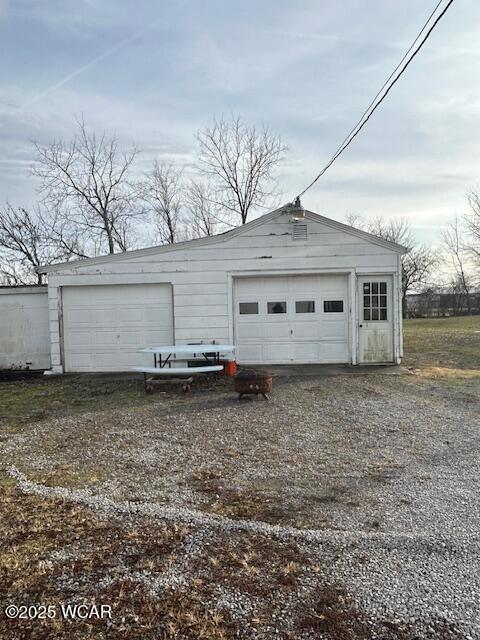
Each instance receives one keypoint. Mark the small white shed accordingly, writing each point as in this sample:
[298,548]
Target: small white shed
[283,291]
[24,330]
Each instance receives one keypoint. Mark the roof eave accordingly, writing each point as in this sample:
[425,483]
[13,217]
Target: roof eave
[162,248]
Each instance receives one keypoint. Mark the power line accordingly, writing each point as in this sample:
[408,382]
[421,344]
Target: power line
[374,106]
[391,75]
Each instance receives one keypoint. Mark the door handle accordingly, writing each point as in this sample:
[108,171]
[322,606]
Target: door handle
[360,325]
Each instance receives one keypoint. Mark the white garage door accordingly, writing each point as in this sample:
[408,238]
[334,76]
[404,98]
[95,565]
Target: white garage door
[301,319]
[105,325]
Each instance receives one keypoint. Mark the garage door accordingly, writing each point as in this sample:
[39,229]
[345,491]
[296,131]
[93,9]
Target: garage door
[105,325]
[290,319]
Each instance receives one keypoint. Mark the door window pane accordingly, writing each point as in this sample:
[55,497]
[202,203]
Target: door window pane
[333,306]
[374,305]
[304,306]
[248,308]
[277,307]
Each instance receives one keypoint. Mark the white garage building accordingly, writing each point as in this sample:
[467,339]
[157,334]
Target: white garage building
[310,291]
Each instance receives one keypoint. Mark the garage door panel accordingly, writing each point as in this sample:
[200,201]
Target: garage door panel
[249,353]
[152,314]
[280,330]
[306,330]
[105,325]
[128,338]
[78,316]
[311,335]
[276,352]
[306,351]
[158,337]
[335,331]
[81,361]
[334,352]
[79,339]
[250,331]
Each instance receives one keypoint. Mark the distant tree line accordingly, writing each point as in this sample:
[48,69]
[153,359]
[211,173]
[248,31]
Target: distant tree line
[439,302]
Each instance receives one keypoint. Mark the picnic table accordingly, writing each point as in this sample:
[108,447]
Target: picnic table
[165,356]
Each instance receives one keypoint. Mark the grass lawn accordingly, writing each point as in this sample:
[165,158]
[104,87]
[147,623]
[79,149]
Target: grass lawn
[443,347]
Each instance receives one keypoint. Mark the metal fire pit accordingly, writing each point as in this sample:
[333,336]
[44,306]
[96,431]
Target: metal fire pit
[250,382]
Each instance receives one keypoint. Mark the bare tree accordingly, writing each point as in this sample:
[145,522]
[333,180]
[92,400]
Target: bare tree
[89,181]
[202,218]
[395,230]
[163,191]
[417,266]
[25,244]
[417,263]
[240,161]
[64,234]
[458,254]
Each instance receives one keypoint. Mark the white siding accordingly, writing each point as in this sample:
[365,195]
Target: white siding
[202,273]
[24,328]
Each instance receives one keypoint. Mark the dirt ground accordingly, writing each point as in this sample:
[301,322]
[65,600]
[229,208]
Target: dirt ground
[336,510]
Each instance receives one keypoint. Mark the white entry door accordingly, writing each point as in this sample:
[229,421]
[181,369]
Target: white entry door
[292,319]
[105,325]
[375,313]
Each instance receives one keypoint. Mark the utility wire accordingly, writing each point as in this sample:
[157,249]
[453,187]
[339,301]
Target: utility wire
[374,106]
[390,76]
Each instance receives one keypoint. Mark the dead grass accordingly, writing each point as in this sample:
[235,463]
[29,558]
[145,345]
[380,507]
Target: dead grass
[235,503]
[439,344]
[54,552]
[37,398]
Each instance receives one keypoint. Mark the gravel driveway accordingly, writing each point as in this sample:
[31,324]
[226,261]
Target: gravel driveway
[379,474]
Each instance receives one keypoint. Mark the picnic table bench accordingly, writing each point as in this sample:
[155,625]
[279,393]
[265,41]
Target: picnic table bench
[164,356]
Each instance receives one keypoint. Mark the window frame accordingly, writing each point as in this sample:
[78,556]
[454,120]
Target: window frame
[312,302]
[248,313]
[277,313]
[330,300]
[375,306]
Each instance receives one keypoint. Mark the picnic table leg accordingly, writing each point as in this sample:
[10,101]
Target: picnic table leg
[148,387]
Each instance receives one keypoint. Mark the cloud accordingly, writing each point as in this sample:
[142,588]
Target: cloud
[103,56]
[306,71]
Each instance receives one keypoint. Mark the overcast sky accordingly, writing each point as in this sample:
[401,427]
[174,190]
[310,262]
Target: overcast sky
[157,71]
